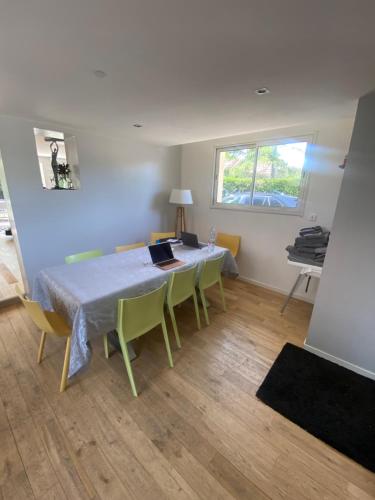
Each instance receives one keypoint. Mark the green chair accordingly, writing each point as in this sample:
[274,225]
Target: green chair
[181,287]
[78,257]
[135,317]
[209,276]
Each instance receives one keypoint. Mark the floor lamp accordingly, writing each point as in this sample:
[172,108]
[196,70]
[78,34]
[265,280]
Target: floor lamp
[180,197]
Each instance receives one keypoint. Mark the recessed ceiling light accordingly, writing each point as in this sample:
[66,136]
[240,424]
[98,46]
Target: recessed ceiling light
[100,73]
[262,91]
[137,125]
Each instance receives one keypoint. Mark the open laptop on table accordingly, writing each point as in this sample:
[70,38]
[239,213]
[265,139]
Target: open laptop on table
[162,256]
[191,240]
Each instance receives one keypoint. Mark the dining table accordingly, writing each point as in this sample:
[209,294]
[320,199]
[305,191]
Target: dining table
[86,293]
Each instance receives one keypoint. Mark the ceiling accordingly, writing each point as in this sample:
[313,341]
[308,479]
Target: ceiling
[185,69]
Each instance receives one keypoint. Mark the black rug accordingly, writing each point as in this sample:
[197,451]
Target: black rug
[334,404]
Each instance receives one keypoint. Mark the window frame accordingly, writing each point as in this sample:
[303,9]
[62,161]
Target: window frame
[305,176]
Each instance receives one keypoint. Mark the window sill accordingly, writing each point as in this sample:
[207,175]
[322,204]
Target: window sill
[299,212]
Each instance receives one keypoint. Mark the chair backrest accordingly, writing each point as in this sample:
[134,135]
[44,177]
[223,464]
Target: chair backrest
[211,272]
[138,315]
[181,285]
[78,257]
[159,236]
[126,248]
[47,321]
[230,241]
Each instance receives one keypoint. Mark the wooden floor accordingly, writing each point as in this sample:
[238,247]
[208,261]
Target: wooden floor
[196,431]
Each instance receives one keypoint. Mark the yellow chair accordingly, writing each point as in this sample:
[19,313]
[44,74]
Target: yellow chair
[126,248]
[181,287]
[78,257]
[159,236]
[230,241]
[51,323]
[135,317]
[209,276]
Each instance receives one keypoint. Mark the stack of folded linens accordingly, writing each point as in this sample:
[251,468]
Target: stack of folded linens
[310,246]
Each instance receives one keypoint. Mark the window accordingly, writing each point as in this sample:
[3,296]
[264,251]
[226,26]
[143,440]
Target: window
[268,176]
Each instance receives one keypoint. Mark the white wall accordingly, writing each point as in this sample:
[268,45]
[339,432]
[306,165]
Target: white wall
[343,322]
[262,257]
[124,194]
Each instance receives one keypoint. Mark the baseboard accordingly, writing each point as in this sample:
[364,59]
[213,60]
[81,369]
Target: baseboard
[339,361]
[275,289]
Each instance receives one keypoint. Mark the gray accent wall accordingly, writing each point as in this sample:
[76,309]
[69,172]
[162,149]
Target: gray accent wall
[124,193]
[343,320]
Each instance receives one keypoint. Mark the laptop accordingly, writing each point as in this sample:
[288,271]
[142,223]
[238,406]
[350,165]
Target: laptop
[162,256]
[191,240]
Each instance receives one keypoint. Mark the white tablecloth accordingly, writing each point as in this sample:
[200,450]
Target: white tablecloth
[86,293]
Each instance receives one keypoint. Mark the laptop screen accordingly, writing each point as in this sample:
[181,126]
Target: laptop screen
[190,239]
[160,252]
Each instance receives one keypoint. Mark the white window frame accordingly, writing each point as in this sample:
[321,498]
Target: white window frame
[299,211]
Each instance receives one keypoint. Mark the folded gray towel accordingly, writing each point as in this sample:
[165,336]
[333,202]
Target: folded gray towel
[314,236]
[322,250]
[305,254]
[310,250]
[319,241]
[310,246]
[310,230]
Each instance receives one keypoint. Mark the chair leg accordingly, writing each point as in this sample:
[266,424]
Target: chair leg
[64,375]
[41,347]
[174,324]
[105,341]
[204,303]
[125,355]
[197,310]
[222,294]
[166,340]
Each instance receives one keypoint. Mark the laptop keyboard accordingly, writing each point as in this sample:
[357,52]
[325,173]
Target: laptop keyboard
[168,262]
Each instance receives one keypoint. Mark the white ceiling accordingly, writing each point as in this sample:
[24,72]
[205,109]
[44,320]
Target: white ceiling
[185,69]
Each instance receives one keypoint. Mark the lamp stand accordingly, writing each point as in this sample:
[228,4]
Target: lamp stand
[180,221]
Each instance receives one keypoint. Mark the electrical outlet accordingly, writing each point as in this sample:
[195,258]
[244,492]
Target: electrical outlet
[312,217]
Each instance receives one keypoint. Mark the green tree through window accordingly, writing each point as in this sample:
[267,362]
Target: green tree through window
[265,175]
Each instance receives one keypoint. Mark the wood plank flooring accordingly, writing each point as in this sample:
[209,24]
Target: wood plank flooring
[196,431]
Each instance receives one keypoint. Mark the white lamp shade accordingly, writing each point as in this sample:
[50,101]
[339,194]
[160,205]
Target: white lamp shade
[181,197]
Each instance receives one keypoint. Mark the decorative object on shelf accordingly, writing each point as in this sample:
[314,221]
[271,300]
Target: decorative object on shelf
[61,171]
[180,197]
[58,159]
